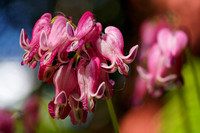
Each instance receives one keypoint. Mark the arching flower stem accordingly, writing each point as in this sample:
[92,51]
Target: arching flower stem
[112,115]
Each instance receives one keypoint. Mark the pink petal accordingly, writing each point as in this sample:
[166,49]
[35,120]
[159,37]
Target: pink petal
[24,41]
[114,38]
[110,69]
[51,109]
[181,42]
[61,98]
[75,45]
[132,54]
[62,55]
[42,24]
[70,31]
[63,74]
[43,41]
[122,67]
[58,34]
[85,24]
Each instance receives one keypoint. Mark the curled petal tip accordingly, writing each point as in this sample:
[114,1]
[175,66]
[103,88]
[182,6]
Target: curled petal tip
[132,54]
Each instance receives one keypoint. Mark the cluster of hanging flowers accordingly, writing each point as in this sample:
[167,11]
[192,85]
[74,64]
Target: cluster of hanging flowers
[77,60]
[161,58]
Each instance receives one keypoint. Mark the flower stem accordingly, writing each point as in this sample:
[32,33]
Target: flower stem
[112,115]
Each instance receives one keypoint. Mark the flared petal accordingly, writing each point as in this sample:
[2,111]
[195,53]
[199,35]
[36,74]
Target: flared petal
[24,41]
[42,24]
[122,67]
[131,56]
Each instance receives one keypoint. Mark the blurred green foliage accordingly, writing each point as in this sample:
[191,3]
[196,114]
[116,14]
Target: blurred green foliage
[181,113]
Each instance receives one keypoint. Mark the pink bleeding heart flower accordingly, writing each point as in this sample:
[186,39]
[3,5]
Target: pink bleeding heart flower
[77,114]
[148,34]
[158,75]
[110,47]
[88,78]
[56,41]
[85,32]
[171,43]
[105,83]
[31,47]
[65,82]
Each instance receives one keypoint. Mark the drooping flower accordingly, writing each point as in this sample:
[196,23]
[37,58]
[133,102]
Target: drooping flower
[158,75]
[31,57]
[65,82]
[87,30]
[171,43]
[148,33]
[88,77]
[110,46]
[58,39]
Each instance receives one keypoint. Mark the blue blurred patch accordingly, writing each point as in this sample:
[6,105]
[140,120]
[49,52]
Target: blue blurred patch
[14,15]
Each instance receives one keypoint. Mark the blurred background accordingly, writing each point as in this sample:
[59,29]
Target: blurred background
[178,111]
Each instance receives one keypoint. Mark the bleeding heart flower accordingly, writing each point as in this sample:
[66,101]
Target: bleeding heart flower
[65,82]
[171,43]
[110,47]
[87,30]
[88,79]
[58,40]
[158,75]
[31,57]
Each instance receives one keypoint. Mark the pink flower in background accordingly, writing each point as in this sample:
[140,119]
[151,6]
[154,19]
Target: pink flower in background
[171,43]
[7,123]
[148,34]
[158,75]
[31,57]
[163,58]
[31,114]
[110,46]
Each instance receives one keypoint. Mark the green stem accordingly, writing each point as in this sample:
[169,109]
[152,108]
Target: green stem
[193,70]
[112,115]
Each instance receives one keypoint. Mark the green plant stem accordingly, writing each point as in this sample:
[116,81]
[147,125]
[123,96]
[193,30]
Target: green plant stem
[195,78]
[112,115]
